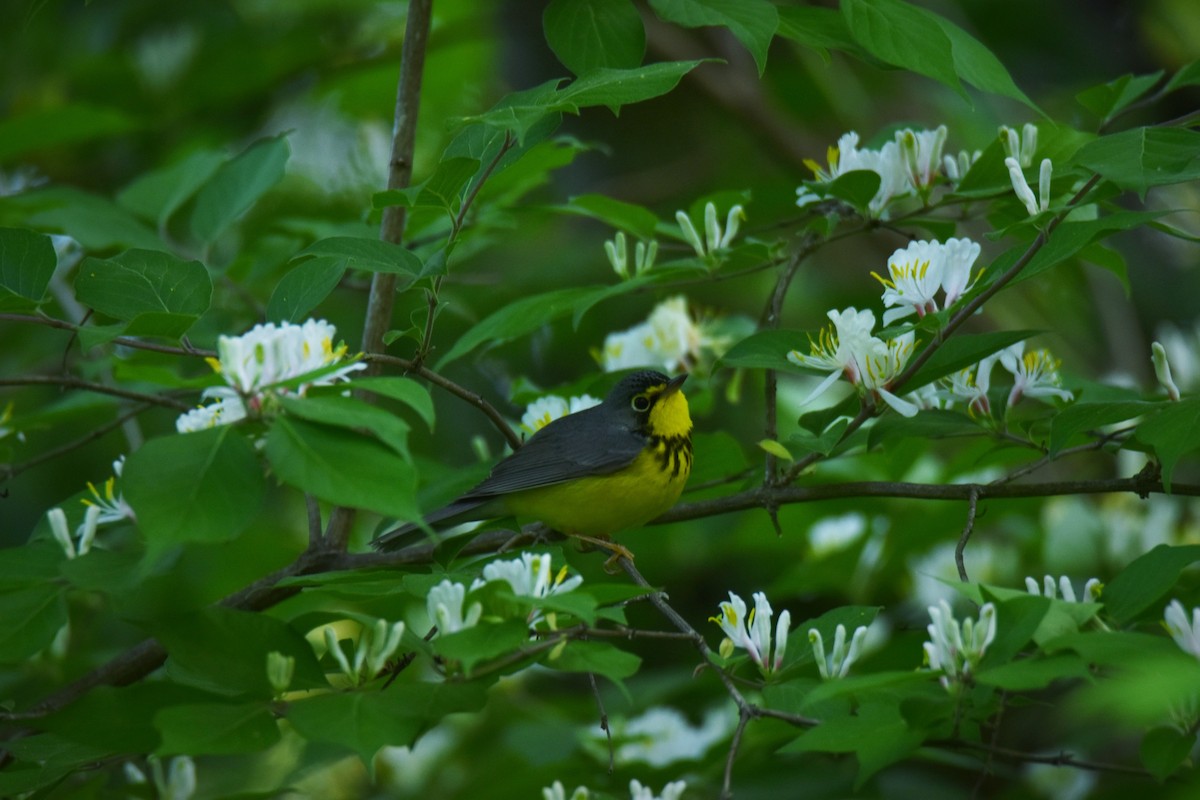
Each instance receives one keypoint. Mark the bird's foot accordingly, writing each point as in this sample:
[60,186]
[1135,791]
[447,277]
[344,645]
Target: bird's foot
[604,543]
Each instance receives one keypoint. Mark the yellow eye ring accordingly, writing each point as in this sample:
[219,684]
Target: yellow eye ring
[640,403]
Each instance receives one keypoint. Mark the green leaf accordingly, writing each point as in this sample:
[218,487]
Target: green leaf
[1034,673]
[366,721]
[1173,432]
[516,319]
[619,87]
[406,390]
[224,651]
[374,255]
[444,189]
[482,642]
[1107,99]
[1188,75]
[27,262]
[120,719]
[1164,750]
[822,29]
[591,34]
[1017,618]
[1080,417]
[237,185]
[877,734]
[144,282]
[904,36]
[962,351]
[932,423]
[752,22]
[599,658]
[32,617]
[203,729]
[314,459]
[305,287]
[352,413]
[1146,581]
[95,222]
[767,349]
[977,65]
[1143,157]
[804,441]
[638,220]
[775,448]
[56,127]
[159,194]
[193,487]
[1066,241]
[857,187]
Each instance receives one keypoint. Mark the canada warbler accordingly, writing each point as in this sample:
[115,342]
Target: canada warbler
[588,474]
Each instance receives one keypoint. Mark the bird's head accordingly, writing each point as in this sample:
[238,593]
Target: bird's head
[654,401]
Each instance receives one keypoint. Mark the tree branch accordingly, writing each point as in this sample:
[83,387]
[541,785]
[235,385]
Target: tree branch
[124,341]
[71,382]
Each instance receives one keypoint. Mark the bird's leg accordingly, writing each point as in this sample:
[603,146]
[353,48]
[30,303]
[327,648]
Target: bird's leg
[605,543]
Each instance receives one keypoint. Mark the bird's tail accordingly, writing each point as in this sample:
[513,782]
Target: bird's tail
[459,511]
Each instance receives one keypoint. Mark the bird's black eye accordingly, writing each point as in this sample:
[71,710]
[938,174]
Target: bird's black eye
[640,403]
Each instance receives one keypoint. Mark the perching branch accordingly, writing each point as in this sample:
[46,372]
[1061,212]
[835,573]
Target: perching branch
[71,382]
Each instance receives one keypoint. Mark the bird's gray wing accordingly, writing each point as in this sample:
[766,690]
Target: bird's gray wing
[570,447]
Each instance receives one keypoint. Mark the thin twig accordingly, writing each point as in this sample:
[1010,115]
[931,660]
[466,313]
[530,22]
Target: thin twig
[400,167]
[972,503]
[603,721]
[453,388]
[314,521]
[727,784]
[124,341]
[71,382]
[8,471]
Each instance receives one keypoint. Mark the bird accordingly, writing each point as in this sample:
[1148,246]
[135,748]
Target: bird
[601,470]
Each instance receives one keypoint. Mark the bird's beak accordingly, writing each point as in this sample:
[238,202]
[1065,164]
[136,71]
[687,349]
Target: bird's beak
[674,384]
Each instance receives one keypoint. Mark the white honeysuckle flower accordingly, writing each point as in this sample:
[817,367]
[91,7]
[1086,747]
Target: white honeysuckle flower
[964,385]
[618,256]
[530,576]
[753,632]
[917,272]
[544,410]
[555,791]
[955,649]
[111,504]
[930,396]
[958,258]
[1020,147]
[1185,632]
[667,340]
[915,278]
[226,411]
[444,604]
[842,348]
[280,670]
[663,736]
[882,367]
[1182,347]
[85,534]
[921,153]
[334,649]
[956,167]
[1021,187]
[1051,589]
[837,664]
[672,791]
[374,647]
[1035,374]
[59,530]
[689,232]
[887,163]
[254,365]
[181,779]
[1162,370]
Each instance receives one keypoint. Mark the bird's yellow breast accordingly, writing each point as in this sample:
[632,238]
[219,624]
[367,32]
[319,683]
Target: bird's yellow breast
[600,505]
